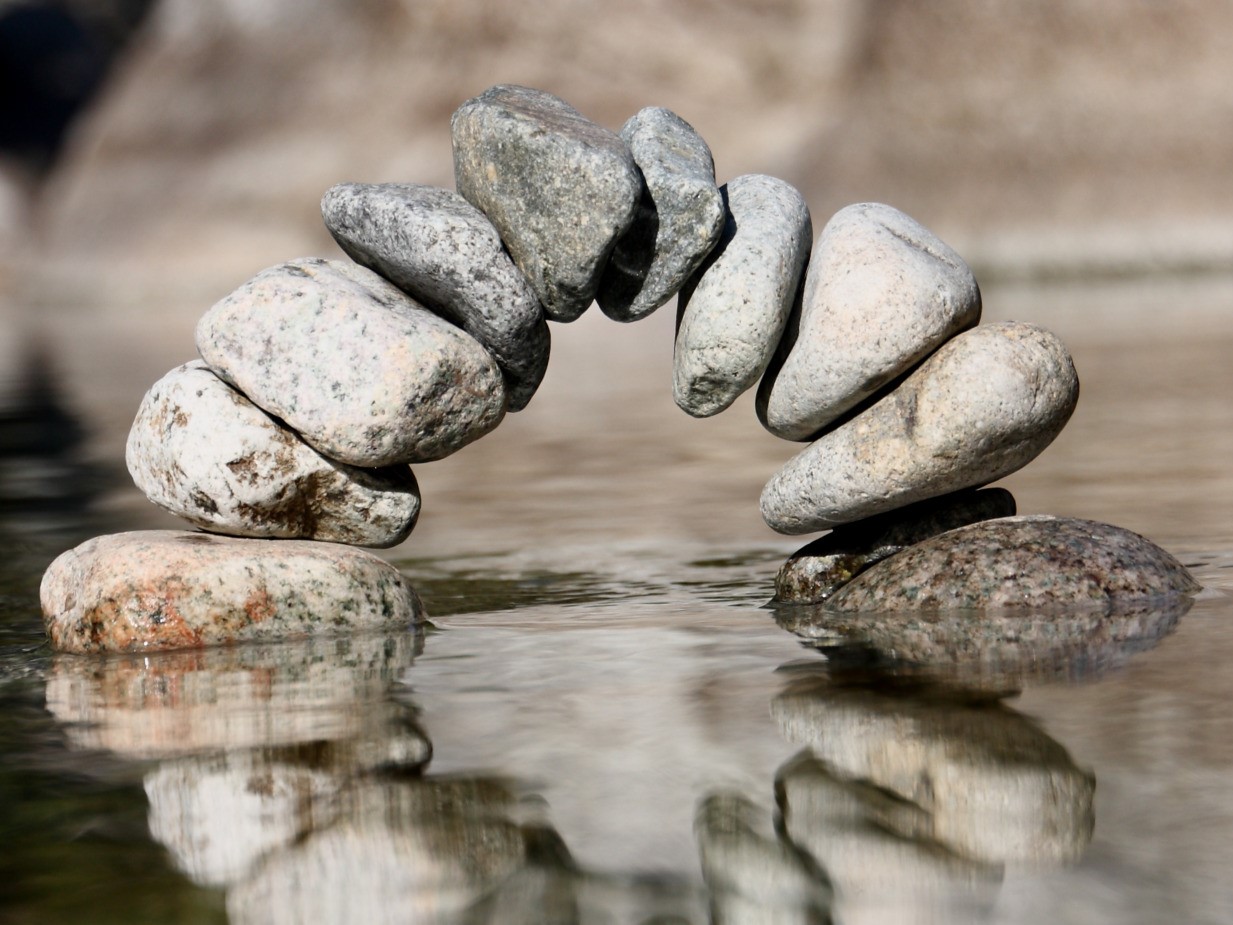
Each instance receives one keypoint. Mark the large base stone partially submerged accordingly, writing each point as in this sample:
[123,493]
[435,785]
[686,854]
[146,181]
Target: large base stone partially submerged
[167,589]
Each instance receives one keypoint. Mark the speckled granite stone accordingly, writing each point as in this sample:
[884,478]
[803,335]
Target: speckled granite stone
[881,294]
[679,219]
[352,364]
[732,312]
[814,572]
[1031,561]
[165,589]
[559,188]
[985,404]
[443,252]
[201,450]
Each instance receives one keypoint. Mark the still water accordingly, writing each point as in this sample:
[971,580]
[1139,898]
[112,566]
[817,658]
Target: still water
[605,721]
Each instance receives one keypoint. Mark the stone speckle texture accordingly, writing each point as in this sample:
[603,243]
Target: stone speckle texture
[444,253]
[679,220]
[881,294]
[985,404]
[733,311]
[1033,561]
[166,589]
[201,450]
[559,188]
[362,372]
[814,572]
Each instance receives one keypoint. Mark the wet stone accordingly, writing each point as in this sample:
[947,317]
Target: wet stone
[881,294]
[362,372]
[733,311]
[985,404]
[679,220]
[166,589]
[201,450]
[816,571]
[560,189]
[445,254]
[1023,562]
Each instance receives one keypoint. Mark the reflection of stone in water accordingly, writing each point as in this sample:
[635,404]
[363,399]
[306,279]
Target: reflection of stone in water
[179,703]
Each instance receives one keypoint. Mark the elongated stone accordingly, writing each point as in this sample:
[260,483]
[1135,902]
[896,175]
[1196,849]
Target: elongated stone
[443,252]
[679,220]
[882,293]
[985,404]
[733,311]
[559,188]
[352,364]
[201,450]
[166,589]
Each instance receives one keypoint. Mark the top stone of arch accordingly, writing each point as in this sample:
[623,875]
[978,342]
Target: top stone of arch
[559,189]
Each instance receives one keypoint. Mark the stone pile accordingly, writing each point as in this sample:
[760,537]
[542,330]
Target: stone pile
[321,381]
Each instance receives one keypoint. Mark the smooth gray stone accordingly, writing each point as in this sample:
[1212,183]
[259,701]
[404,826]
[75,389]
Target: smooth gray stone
[444,253]
[201,450]
[351,363]
[816,571]
[680,216]
[732,312]
[985,404]
[1031,561]
[559,188]
[169,589]
[881,294]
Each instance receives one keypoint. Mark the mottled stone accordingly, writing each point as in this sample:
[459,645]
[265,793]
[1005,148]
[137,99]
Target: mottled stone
[881,294]
[816,571]
[559,188]
[985,404]
[1032,561]
[679,220]
[165,589]
[733,311]
[201,450]
[352,364]
[443,252]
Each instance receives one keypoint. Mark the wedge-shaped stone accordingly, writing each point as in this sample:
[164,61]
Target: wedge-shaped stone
[204,452]
[882,293]
[352,364]
[167,589]
[679,220]
[733,311]
[559,188]
[443,252]
[985,404]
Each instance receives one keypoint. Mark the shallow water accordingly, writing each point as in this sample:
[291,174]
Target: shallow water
[606,723]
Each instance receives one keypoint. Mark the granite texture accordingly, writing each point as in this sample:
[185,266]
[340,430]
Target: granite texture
[444,253]
[201,450]
[985,404]
[560,189]
[362,372]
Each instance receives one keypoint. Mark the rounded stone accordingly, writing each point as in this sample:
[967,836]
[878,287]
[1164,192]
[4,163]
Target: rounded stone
[559,188]
[985,404]
[362,372]
[201,450]
[732,312]
[881,294]
[167,589]
[444,253]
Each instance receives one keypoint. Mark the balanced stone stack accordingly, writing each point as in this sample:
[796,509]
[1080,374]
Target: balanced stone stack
[321,381]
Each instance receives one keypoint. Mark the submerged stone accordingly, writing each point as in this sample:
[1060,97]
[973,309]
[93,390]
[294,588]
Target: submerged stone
[443,252]
[204,452]
[816,571]
[559,188]
[351,363]
[166,589]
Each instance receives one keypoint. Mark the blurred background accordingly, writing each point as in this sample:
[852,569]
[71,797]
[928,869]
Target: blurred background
[157,153]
